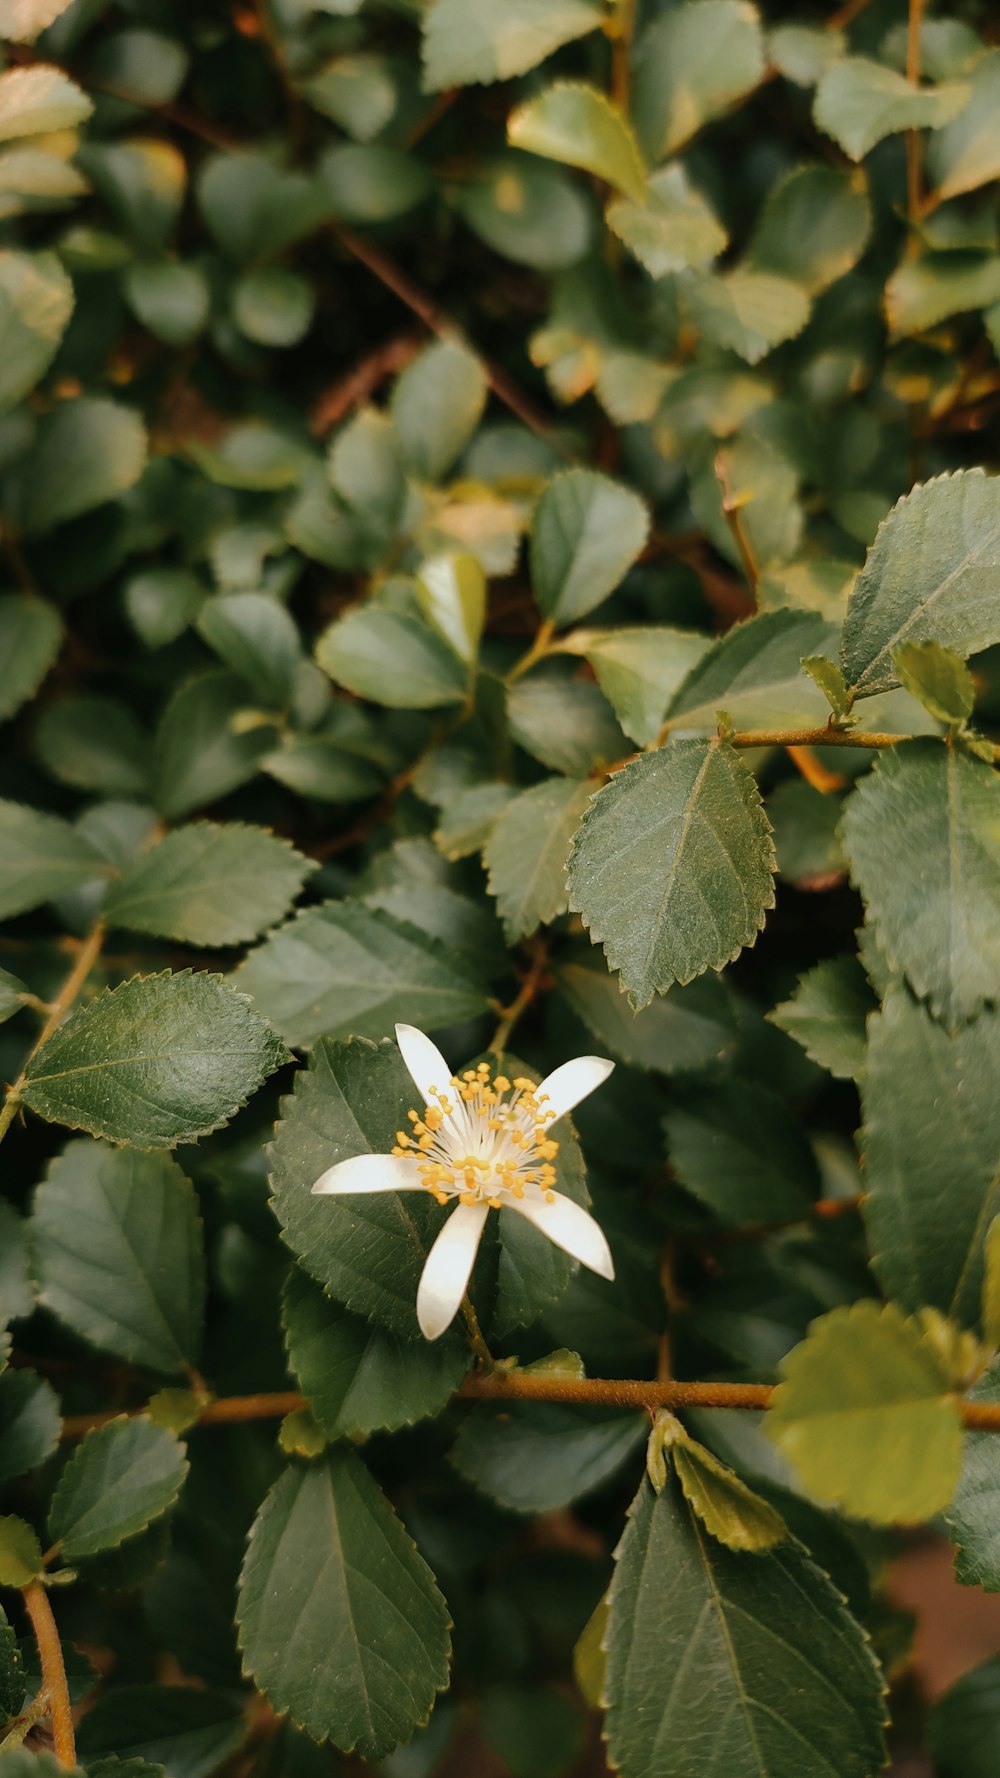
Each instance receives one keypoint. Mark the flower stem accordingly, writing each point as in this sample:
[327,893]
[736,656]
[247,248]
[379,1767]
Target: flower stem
[36,1604]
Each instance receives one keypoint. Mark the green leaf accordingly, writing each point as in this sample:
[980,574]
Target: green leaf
[343,969]
[146,65]
[578,125]
[972,1518]
[748,311]
[664,827]
[187,1732]
[20,1554]
[209,884]
[255,210]
[865,1414]
[370,182]
[120,1478]
[813,227]
[202,750]
[965,154]
[535,1458]
[359,1656]
[764,485]
[730,1511]
[161,602]
[36,302]
[87,451]
[925,291]
[13,1689]
[526,853]
[964,1728]
[171,300]
[143,182]
[359,1377]
[830,679]
[95,744]
[158,1060]
[858,102]
[529,212]
[711,1615]
[754,674]
[367,1252]
[117,1241]
[41,856]
[639,669]
[358,92]
[806,834]
[30,1422]
[31,633]
[674,228]
[923,835]
[691,66]
[932,574]
[536,1733]
[451,593]
[392,656]
[739,1151]
[273,306]
[566,723]
[586,532]
[681,1032]
[17,1291]
[827,1015]
[467,41]
[436,406]
[926,1245]
[804,52]
[36,100]
[937,677]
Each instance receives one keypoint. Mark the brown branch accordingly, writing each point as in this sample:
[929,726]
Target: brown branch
[360,383]
[914,204]
[732,509]
[36,1604]
[530,986]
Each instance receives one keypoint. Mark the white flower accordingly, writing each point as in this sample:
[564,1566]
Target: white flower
[486,1144]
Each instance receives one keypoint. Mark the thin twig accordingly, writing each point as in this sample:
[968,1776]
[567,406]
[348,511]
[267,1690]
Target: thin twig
[86,957]
[361,382]
[530,986]
[36,1604]
[732,508]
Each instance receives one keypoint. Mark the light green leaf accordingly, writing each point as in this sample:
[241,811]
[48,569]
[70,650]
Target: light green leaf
[158,1060]
[765,486]
[527,850]
[392,656]
[36,100]
[964,1728]
[926,290]
[663,827]
[95,744]
[20,1553]
[358,92]
[938,677]
[922,832]
[534,1457]
[30,1422]
[578,125]
[161,602]
[451,593]
[31,633]
[803,53]
[146,65]
[532,213]
[586,532]
[87,451]
[209,885]
[680,1033]
[171,300]
[965,154]
[827,1015]
[639,669]
[830,679]
[711,1615]
[674,228]
[33,179]
[858,102]
[202,751]
[927,1246]
[36,302]
[691,65]
[739,1151]
[360,1377]
[258,640]
[466,41]
[813,227]
[469,818]
[273,306]
[730,1511]
[746,310]
[864,1413]
[23,20]
[117,1241]
[41,856]
[185,1731]
[932,574]
[343,969]
[754,674]
[359,1656]
[436,406]
[119,1479]
[367,1252]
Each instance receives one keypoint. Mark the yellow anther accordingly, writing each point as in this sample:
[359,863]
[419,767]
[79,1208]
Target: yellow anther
[412,1116]
[502,1084]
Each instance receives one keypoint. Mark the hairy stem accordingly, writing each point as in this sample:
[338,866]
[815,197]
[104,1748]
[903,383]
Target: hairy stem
[36,1604]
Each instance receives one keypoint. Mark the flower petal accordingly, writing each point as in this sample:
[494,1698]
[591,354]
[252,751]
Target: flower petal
[447,1269]
[570,1083]
[369,1173]
[427,1066]
[570,1227]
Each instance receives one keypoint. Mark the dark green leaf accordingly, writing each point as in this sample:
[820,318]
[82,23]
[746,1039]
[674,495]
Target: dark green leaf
[95,744]
[208,884]
[754,674]
[394,657]
[202,749]
[436,406]
[258,640]
[31,633]
[681,1032]
[86,452]
[30,1422]
[41,857]
[36,302]
[964,1731]
[535,1458]
[973,1518]
[740,1152]
[828,1014]
[187,1732]
[586,532]
[527,850]
[120,1478]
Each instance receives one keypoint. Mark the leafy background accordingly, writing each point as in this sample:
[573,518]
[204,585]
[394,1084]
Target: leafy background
[494,536]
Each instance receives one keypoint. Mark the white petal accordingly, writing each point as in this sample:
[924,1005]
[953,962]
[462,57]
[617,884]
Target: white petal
[566,1086]
[427,1066]
[570,1227]
[370,1173]
[448,1268]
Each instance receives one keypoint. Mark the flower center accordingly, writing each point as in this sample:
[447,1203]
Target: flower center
[482,1139]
